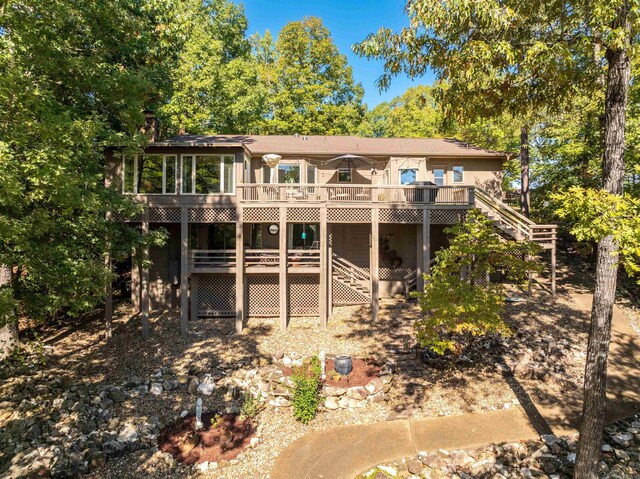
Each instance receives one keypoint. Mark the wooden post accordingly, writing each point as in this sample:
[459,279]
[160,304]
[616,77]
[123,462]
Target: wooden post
[426,241]
[330,274]
[144,278]
[282,276]
[375,264]
[324,268]
[184,271]
[419,256]
[553,267]
[240,315]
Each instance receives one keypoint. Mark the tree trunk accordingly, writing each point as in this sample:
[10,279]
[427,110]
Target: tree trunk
[593,411]
[8,332]
[525,199]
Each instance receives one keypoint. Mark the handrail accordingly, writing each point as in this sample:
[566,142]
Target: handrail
[356,272]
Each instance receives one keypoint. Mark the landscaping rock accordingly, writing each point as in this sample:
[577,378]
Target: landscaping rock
[358,392]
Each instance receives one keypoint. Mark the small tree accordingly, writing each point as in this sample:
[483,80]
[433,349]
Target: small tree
[457,297]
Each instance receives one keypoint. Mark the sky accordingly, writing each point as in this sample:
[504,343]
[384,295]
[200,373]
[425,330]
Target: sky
[349,22]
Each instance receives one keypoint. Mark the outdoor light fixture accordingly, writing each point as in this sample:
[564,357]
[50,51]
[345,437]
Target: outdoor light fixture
[271,159]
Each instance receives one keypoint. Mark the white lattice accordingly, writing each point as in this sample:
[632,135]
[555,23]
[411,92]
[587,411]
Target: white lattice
[400,216]
[344,295]
[447,217]
[164,215]
[349,215]
[212,215]
[263,295]
[261,215]
[303,215]
[216,295]
[303,294]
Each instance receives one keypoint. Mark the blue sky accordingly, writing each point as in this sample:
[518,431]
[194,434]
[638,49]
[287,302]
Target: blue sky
[349,22]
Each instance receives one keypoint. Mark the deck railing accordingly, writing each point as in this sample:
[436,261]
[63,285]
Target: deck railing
[337,193]
[261,257]
[303,258]
[212,258]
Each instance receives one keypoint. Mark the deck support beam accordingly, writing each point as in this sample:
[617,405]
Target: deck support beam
[324,269]
[330,273]
[240,303]
[375,264]
[553,267]
[426,244]
[282,276]
[144,278]
[419,256]
[184,271]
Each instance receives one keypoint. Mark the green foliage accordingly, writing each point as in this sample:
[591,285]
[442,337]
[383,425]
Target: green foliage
[250,406]
[456,299]
[306,392]
[7,307]
[596,214]
[74,78]
[214,79]
[309,82]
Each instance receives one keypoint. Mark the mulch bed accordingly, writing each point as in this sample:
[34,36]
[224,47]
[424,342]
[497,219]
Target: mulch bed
[362,373]
[224,441]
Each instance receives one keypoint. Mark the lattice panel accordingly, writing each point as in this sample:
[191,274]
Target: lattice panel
[263,295]
[212,215]
[344,295]
[349,215]
[261,215]
[303,215]
[304,291]
[216,295]
[164,215]
[400,216]
[397,274]
[447,217]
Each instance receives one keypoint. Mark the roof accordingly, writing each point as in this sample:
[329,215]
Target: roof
[334,145]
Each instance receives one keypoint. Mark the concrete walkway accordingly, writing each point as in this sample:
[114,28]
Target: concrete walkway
[345,451]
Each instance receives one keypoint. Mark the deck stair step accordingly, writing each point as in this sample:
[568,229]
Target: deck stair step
[350,275]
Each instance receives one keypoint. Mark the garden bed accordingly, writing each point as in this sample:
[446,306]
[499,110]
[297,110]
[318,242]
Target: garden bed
[362,373]
[221,438]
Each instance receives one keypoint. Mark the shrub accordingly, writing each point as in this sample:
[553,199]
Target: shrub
[306,392]
[250,406]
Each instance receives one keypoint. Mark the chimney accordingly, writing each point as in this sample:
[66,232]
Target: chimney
[150,125]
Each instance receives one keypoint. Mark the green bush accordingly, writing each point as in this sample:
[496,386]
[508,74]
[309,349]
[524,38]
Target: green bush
[306,392]
[250,406]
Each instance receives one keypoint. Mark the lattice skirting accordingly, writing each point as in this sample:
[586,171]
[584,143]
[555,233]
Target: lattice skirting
[397,274]
[349,215]
[212,215]
[164,215]
[216,295]
[303,294]
[400,216]
[261,215]
[303,215]
[263,295]
[343,295]
[447,217]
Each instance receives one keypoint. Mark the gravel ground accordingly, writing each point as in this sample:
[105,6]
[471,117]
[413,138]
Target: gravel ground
[77,352]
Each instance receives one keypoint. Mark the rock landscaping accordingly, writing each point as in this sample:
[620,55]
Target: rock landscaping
[550,457]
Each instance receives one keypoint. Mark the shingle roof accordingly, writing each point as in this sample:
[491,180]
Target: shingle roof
[333,145]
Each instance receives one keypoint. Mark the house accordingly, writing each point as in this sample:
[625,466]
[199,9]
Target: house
[294,225]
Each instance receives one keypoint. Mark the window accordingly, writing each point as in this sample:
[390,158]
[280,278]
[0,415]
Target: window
[150,174]
[266,174]
[408,175]
[458,174]
[208,174]
[438,176]
[311,174]
[221,236]
[288,173]
[344,175]
[303,236]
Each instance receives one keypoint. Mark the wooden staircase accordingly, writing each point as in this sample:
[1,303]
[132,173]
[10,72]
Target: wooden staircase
[351,276]
[515,225]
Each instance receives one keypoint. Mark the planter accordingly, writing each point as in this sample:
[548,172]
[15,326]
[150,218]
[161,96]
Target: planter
[343,365]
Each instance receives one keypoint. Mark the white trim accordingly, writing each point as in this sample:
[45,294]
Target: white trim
[444,175]
[400,170]
[221,157]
